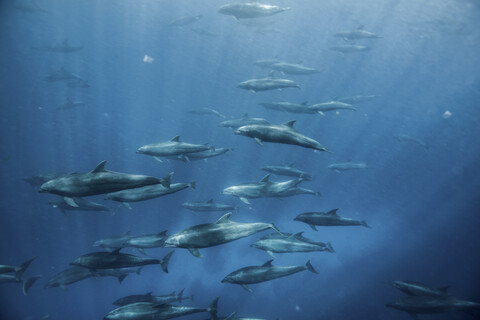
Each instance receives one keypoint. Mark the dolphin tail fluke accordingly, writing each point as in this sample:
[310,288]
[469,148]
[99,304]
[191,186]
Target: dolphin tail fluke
[139,270]
[318,194]
[27,284]
[364,223]
[213,308]
[193,185]
[167,180]
[164,262]
[23,267]
[121,278]
[310,267]
[195,252]
[180,296]
[329,248]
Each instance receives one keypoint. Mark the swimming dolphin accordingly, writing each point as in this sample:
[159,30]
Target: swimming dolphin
[279,133]
[184,21]
[82,205]
[419,289]
[289,107]
[277,243]
[250,10]
[208,206]
[359,33]
[63,47]
[147,241]
[357,99]
[97,181]
[293,68]
[323,107]
[268,83]
[330,218]
[247,191]
[169,298]
[350,48]
[265,272]
[288,171]
[345,166]
[243,121]
[214,234]
[173,147]
[408,138]
[114,243]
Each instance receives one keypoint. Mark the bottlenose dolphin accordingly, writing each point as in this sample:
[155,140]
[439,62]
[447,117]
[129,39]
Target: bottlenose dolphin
[350,48]
[115,259]
[147,241]
[174,147]
[114,243]
[149,310]
[97,181]
[359,33]
[243,121]
[321,108]
[419,289]
[276,243]
[214,234]
[289,107]
[344,166]
[26,284]
[69,276]
[429,305]
[265,272]
[288,171]
[250,10]
[279,133]
[169,298]
[18,270]
[208,206]
[330,218]
[248,190]
[268,83]
[201,155]
[293,68]
[82,205]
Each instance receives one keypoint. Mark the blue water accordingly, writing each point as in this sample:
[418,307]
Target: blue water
[422,204]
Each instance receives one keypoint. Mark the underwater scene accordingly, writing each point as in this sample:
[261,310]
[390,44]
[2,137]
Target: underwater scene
[232,159]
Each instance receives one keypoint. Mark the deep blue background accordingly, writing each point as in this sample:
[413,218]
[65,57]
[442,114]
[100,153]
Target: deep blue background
[422,204]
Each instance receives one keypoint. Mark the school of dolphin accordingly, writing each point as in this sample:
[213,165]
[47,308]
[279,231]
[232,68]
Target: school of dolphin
[126,188]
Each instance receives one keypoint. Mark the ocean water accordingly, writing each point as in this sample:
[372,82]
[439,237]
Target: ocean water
[139,78]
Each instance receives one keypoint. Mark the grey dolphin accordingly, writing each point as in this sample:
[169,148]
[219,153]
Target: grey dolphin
[243,121]
[359,33]
[82,205]
[247,191]
[265,272]
[268,83]
[288,170]
[323,107]
[419,289]
[350,48]
[297,191]
[201,155]
[147,241]
[293,68]
[290,243]
[429,305]
[169,298]
[97,181]
[345,166]
[115,259]
[150,310]
[26,283]
[208,206]
[214,234]
[289,107]
[279,133]
[330,218]
[114,243]
[69,276]
[18,270]
[408,138]
[206,111]
[357,99]
[250,10]
[173,147]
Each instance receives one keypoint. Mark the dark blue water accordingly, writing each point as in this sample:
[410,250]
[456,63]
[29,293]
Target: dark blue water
[422,203]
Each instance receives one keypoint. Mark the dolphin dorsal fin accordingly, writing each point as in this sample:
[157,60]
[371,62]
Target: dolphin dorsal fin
[224,219]
[298,234]
[290,123]
[360,27]
[210,201]
[334,212]
[304,103]
[176,139]
[149,293]
[164,232]
[100,167]
[268,263]
[116,251]
[127,233]
[291,164]
[245,115]
[270,75]
[265,179]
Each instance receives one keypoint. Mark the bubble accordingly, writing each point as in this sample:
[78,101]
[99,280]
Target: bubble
[447,114]
[147,59]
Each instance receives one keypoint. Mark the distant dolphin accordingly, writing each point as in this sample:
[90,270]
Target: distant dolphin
[344,166]
[288,171]
[250,10]
[408,138]
[349,48]
[63,47]
[173,147]
[293,68]
[330,218]
[243,121]
[169,298]
[323,107]
[359,33]
[268,83]
[419,289]
[289,107]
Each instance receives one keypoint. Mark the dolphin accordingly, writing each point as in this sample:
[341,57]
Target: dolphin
[97,181]
[115,259]
[149,310]
[265,272]
[243,121]
[429,305]
[70,104]
[250,10]
[63,74]
[296,191]
[169,298]
[357,99]
[359,33]
[119,273]
[184,21]
[26,284]
[214,234]
[18,270]
[208,206]
[321,108]
[82,205]
[288,170]
[344,166]
[408,138]
[266,63]
[350,48]
[210,153]
[268,83]
[39,179]
[206,111]
[330,218]
[69,276]
[289,107]
[292,68]
[419,289]
[147,192]
[248,190]
[173,147]
[290,243]
[147,241]
[114,243]
[279,133]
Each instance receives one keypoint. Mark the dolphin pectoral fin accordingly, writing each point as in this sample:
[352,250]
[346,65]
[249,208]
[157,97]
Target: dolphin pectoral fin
[70,202]
[258,141]
[321,113]
[127,205]
[195,252]
[313,227]
[158,159]
[28,283]
[252,91]
[165,261]
[271,254]
[121,278]
[338,171]
[245,200]
[187,159]
[244,286]
[142,251]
